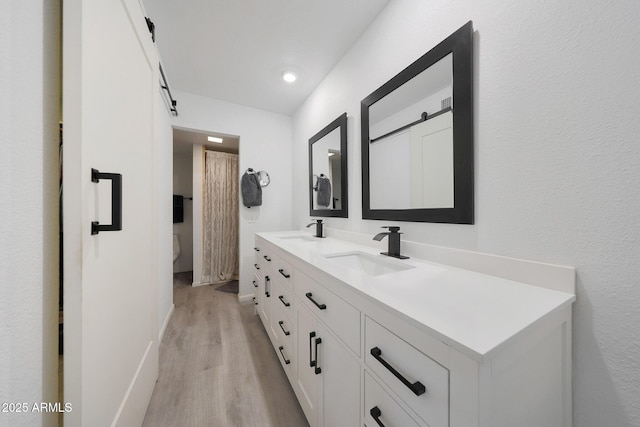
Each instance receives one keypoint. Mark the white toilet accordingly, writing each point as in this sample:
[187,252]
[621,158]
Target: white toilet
[176,247]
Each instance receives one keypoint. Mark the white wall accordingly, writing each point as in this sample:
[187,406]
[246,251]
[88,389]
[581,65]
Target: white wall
[265,144]
[29,115]
[183,185]
[557,159]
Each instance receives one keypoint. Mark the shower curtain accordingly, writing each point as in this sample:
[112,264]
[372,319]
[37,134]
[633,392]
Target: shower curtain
[220,227]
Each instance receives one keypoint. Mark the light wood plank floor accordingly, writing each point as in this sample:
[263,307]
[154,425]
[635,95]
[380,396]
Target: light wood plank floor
[217,366]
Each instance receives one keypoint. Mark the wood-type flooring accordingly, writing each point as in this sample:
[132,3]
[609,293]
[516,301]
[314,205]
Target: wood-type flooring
[217,366]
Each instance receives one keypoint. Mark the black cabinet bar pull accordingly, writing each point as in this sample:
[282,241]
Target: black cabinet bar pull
[284,274]
[281,298]
[376,413]
[312,362]
[256,266]
[254,301]
[417,388]
[286,361]
[317,368]
[256,249]
[320,306]
[267,286]
[281,323]
[116,201]
[267,258]
[255,285]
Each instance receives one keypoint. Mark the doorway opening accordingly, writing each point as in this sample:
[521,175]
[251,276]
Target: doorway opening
[206,212]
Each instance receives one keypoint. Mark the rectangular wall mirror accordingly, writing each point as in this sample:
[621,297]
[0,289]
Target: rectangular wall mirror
[328,170]
[417,138]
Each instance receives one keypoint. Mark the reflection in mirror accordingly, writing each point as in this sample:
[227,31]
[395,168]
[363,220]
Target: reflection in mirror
[411,148]
[328,170]
[417,147]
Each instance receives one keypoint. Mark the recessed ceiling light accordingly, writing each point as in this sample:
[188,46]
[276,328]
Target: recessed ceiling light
[214,139]
[289,76]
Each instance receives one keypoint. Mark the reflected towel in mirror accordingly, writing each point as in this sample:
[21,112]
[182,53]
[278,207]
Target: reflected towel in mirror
[323,187]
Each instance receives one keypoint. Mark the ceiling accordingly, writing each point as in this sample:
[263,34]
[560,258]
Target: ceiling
[183,140]
[236,50]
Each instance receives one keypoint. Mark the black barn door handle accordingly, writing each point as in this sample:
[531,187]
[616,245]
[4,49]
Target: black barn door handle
[116,201]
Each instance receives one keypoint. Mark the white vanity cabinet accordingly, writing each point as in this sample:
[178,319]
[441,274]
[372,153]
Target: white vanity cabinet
[430,346]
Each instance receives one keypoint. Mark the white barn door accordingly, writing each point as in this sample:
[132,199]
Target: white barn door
[111,348]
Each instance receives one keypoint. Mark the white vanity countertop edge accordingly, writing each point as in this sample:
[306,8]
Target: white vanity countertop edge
[472,312]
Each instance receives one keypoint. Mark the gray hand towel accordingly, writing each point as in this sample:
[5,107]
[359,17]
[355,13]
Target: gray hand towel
[324,191]
[251,190]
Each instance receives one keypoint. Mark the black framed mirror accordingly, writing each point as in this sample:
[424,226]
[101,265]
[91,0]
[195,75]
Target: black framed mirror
[328,195]
[417,138]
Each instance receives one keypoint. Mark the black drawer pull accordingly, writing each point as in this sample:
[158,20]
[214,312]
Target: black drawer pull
[312,362]
[317,367]
[256,266]
[267,286]
[281,323]
[417,388]
[256,249]
[320,306]
[376,413]
[286,361]
[255,285]
[281,298]
[267,258]
[254,301]
[284,274]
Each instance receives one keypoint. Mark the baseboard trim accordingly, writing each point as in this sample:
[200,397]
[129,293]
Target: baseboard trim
[194,284]
[166,322]
[245,298]
[136,400]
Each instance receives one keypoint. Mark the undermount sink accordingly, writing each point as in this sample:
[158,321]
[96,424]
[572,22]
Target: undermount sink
[300,238]
[372,265]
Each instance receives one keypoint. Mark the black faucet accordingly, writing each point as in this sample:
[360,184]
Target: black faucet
[318,225]
[394,242]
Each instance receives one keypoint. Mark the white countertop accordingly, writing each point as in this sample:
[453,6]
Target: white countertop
[472,312]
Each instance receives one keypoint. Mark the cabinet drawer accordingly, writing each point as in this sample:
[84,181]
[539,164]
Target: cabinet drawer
[342,318]
[417,379]
[255,282]
[378,403]
[265,260]
[284,272]
[284,352]
[257,258]
[283,298]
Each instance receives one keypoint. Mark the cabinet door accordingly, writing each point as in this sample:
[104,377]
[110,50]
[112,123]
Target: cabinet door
[264,303]
[307,381]
[328,377]
[340,398]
